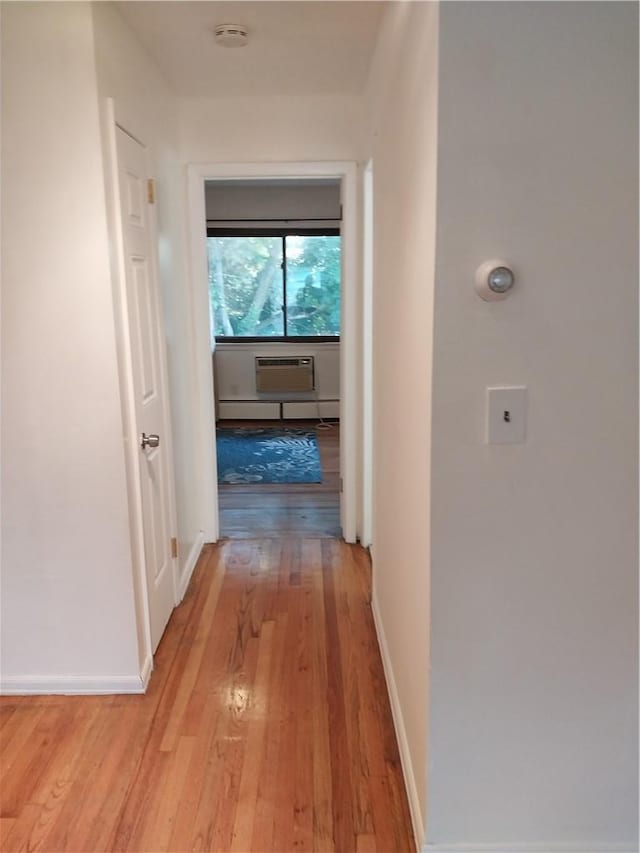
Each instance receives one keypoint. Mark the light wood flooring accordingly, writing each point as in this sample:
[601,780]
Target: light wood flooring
[249,510]
[266,726]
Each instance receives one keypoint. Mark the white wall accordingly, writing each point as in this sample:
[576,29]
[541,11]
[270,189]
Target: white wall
[146,107]
[533,735]
[236,377]
[67,596]
[276,128]
[403,99]
[293,200]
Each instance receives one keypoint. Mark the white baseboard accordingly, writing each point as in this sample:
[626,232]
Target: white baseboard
[70,685]
[311,410]
[190,564]
[248,410]
[147,669]
[533,847]
[77,685]
[414,801]
[398,721]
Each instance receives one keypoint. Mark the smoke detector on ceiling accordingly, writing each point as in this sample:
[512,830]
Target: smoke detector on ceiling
[231,35]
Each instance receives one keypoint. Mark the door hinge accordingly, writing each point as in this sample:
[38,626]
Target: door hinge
[151,191]
[174,547]
[340,485]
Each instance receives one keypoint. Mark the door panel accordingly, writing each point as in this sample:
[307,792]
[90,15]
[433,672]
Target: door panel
[133,198]
[147,348]
[144,318]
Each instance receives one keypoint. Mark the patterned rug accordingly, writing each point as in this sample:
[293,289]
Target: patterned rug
[268,455]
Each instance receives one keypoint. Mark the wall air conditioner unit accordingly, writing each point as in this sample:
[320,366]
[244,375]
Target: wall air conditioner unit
[284,375]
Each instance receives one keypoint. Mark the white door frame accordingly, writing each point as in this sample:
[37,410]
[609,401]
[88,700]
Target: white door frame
[346,172]
[127,397]
[366,536]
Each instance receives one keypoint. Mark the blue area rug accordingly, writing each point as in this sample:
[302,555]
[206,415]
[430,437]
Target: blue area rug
[268,455]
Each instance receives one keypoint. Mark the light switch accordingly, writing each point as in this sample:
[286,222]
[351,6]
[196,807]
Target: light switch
[506,415]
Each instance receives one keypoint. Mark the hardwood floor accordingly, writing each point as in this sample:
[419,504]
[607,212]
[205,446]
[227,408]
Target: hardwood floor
[266,726]
[249,510]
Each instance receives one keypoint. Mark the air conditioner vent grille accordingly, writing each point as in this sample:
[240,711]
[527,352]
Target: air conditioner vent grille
[284,374]
[283,362]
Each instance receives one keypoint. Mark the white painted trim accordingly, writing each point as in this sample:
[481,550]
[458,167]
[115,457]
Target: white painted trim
[204,425]
[273,170]
[415,807]
[71,685]
[77,685]
[346,172]
[539,847]
[190,564]
[311,410]
[250,410]
[147,669]
[350,323]
[366,537]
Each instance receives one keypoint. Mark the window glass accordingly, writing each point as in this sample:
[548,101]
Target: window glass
[313,285]
[246,286]
[285,286]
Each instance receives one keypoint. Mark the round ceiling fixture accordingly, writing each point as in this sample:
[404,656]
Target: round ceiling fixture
[231,35]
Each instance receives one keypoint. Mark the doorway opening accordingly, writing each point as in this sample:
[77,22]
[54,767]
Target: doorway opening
[274,283]
[275,328]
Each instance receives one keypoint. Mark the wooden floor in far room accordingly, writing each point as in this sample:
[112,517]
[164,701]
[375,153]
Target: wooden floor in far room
[262,510]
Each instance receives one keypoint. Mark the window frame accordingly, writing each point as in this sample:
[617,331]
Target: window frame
[282,232]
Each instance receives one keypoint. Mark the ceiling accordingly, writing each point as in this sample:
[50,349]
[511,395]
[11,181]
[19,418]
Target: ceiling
[299,47]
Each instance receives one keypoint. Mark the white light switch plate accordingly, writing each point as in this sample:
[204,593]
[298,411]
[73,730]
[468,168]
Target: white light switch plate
[506,415]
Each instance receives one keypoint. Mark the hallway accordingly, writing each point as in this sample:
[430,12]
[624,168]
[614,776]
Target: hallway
[266,726]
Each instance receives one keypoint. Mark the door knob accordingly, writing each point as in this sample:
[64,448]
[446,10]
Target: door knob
[149,440]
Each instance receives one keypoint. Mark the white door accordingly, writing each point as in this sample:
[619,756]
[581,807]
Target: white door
[149,383]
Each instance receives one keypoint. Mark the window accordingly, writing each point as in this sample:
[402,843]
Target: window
[278,285]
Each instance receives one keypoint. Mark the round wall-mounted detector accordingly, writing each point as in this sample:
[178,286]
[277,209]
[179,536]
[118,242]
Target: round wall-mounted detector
[231,35]
[494,280]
